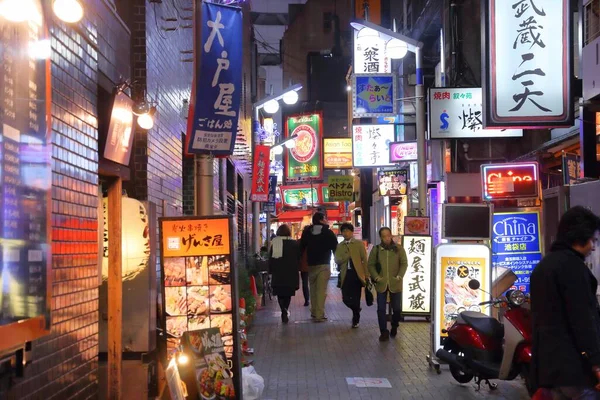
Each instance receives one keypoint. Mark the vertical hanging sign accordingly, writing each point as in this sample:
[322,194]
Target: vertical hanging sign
[527,63]
[260,174]
[217,80]
[416,285]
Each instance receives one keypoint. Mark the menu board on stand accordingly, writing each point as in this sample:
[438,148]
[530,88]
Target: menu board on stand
[455,266]
[26,173]
[199,285]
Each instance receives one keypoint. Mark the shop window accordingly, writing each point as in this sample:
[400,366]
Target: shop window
[591,21]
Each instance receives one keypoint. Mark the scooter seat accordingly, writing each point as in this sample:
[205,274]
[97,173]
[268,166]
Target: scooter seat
[482,323]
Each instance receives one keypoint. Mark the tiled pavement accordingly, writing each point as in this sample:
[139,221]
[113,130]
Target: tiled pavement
[305,360]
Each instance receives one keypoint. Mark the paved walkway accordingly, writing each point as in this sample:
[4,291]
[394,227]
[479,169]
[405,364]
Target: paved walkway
[305,360]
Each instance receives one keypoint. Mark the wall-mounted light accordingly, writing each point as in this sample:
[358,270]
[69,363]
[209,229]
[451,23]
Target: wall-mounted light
[17,10]
[146,120]
[69,11]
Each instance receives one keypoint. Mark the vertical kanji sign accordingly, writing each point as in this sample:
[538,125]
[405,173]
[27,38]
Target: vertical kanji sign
[416,285]
[217,80]
[260,174]
[527,63]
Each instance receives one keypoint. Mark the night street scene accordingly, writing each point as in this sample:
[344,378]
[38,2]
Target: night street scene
[299,199]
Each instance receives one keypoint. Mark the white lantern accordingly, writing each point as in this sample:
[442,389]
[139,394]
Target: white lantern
[135,239]
[271,106]
[290,97]
[396,49]
[69,11]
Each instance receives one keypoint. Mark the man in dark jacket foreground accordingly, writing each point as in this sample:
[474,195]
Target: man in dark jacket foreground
[319,242]
[566,319]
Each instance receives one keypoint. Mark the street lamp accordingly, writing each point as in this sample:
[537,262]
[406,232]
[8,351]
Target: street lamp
[398,46]
[270,105]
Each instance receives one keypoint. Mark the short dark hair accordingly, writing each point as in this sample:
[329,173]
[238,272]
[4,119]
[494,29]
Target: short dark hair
[317,218]
[284,230]
[577,226]
[346,226]
[384,228]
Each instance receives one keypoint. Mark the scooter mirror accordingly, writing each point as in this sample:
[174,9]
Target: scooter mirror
[474,284]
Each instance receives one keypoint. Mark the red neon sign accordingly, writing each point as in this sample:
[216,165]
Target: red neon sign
[510,181]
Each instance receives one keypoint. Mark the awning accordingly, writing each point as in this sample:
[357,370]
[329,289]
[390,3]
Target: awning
[298,215]
[293,216]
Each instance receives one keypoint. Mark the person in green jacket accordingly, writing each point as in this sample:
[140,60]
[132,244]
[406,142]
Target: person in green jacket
[387,265]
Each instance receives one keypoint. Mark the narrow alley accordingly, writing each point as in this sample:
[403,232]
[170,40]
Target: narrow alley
[306,360]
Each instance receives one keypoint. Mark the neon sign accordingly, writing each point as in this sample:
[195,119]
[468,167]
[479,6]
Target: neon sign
[510,181]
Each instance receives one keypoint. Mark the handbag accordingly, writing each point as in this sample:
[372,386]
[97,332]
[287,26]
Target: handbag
[370,293]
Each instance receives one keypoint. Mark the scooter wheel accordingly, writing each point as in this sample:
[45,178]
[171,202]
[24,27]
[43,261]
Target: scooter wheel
[527,377]
[457,373]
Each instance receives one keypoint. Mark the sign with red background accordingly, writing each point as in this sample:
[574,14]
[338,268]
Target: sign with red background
[510,181]
[260,173]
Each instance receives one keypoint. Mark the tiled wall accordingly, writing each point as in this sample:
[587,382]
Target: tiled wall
[64,364]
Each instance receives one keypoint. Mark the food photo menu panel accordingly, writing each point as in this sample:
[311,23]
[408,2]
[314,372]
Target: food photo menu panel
[197,277]
[25,175]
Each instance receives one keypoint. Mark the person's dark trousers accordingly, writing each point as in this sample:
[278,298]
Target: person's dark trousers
[351,290]
[284,302]
[396,303]
[305,290]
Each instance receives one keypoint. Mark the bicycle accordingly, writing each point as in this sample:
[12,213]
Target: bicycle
[267,289]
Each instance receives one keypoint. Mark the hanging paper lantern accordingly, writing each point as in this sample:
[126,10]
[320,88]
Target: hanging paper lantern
[135,239]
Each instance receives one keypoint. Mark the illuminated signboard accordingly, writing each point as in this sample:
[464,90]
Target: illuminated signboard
[510,181]
[516,244]
[416,285]
[403,151]
[337,153]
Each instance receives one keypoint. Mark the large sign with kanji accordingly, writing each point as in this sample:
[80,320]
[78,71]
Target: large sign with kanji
[416,284]
[303,161]
[218,82]
[341,187]
[370,53]
[526,62]
[260,174]
[371,145]
[458,113]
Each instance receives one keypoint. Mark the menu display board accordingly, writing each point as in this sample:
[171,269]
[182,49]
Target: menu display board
[25,172]
[456,265]
[199,282]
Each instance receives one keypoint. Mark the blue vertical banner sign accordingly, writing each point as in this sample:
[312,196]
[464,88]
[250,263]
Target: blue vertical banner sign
[217,80]
[516,244]
[270,204]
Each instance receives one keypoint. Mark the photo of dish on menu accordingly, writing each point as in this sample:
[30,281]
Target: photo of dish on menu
[196,271]
[175,271]
[197,300]
[457,295]
[219,270]
[175,300]
[220,299]
[212,371]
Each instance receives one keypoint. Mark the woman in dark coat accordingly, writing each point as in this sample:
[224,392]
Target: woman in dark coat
[284,263]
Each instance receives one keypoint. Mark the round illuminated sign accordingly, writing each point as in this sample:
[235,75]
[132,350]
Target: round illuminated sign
[306,143]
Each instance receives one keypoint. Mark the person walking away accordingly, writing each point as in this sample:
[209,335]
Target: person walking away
[351,258]
[304,276]
[565,312]
[387,265]
[284,262]
[319,242]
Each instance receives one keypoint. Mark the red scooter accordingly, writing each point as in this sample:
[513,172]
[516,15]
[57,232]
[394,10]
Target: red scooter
[480,347]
